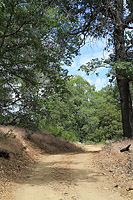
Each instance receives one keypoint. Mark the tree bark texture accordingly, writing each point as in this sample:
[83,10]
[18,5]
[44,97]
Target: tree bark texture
[126,107]
[122,82]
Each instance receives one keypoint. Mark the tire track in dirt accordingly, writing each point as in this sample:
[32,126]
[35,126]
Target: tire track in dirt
[66,177]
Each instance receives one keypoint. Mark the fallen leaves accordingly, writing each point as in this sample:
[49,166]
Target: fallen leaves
[118,166]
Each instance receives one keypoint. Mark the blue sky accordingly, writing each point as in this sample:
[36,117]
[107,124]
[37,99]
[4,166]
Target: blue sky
[92,49]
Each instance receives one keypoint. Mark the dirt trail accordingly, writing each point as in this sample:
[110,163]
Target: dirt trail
[66,177]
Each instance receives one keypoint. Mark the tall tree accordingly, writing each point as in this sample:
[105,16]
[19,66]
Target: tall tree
[32,44]
[121,55]
[108,19]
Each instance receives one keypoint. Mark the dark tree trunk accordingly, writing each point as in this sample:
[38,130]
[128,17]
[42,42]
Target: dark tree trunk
[122,82]
[126,107]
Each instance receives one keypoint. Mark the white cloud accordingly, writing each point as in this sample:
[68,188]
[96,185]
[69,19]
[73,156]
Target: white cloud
[74,64]
[93,49]
[100,83]
[90,81]
[84,59]
[87,57]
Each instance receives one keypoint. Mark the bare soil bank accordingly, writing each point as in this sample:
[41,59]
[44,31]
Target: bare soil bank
[52,169]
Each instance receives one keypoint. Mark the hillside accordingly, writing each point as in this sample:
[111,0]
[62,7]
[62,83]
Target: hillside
[38,153]
[25,148]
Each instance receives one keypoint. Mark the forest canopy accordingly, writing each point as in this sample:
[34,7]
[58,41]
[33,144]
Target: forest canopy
[36,39]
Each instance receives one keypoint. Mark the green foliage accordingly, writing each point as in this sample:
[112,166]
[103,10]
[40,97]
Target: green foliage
[126,68]
[92,66]
[33,45]
[85,114]
[110,126]
[110,20]
[58,132]
[36,38]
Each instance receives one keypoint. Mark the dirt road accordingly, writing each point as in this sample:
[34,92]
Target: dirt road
[66,177]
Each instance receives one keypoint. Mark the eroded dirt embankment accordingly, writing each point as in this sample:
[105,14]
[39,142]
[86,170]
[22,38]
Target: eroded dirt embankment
[42,169]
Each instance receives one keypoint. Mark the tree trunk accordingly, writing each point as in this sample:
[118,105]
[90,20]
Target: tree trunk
[122,82]
[126,107]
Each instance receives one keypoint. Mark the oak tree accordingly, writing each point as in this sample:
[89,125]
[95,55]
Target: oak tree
[109,19]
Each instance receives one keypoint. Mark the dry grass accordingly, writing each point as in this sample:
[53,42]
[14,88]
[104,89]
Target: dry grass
[11,144]
[19,162]
[51,144]
[118,166]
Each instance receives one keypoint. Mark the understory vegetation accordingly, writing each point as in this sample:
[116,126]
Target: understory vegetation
[84,114]
[80,113]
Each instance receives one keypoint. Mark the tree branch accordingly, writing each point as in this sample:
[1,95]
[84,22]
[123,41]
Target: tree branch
[126,148]
[85,26]
[129,19]
[129,27]
[4,36]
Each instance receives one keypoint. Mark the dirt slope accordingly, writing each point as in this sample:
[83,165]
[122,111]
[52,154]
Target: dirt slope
[118,166]
[42,169]
[66,177]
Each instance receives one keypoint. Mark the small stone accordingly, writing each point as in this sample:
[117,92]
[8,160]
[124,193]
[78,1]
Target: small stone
[116,186]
